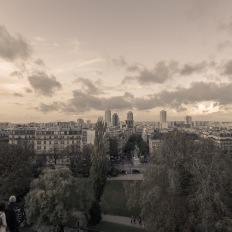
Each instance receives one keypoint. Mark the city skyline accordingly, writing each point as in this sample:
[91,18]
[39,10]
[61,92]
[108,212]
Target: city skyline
[64,60]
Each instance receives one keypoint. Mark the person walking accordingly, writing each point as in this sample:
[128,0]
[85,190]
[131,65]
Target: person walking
[3,223]
[15,215]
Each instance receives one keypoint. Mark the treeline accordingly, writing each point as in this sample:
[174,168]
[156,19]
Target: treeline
[56,195]
[136,140]
[187,188]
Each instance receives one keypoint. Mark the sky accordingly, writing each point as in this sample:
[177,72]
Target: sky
[63,60]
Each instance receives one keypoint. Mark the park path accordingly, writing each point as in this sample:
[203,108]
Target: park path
[120,220]
[127,177]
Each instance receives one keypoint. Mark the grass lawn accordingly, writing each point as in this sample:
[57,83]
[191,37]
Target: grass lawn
[114,200]
[114,227]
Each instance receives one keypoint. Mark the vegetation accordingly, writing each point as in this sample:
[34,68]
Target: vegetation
[98,172]
[114,200]
[187,188]
[136,140]
[113,147]
[15,170]
[55,197]
[80,160]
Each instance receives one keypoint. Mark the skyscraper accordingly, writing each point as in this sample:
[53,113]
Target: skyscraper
[163,116]
[188,120]
[130,121]
[115,119]
[163,119]
[108,116]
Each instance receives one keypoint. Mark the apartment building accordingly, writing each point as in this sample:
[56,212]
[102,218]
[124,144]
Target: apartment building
[47,140]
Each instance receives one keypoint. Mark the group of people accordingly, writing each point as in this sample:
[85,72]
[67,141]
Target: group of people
[12,216]
[133,220]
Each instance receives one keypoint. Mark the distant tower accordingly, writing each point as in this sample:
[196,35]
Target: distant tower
[80,122]
[88,122]
[188,120]
[163,119]
[108,116]
[130,121]
[115,119]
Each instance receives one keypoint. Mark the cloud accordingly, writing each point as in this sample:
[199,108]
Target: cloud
[45,108]
[82,102]
[159,74]
[223,45]
[88,86]
[40,62]
[218,95]
[189,69]
[13,47]
[27,90]
[120,62]
[18,95]
[197,92]
[43,84]
[228,68]
[17,74]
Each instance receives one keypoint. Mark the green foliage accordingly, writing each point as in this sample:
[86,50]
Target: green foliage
[15,170]
[55,197]
[98,172]
[188,186]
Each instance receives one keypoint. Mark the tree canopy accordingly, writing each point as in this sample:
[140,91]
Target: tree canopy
[15,170]
[55,197]
[98,172]
[188,187]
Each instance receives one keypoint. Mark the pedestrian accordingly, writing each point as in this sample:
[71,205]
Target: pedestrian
[15,215]
[134,220]
[140,220]
[131,219]
[3,224]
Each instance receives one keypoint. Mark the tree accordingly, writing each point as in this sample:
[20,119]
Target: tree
[55,197]
[187,187]
[15,170]
[113,147]
[80,160]
[98,172]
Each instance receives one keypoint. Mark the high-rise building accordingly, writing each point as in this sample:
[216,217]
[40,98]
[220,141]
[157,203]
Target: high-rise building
[115,119]
[163,119]
[80,122]
[163,116]
[108,116]
[130,121]
[130,115]
[188,120]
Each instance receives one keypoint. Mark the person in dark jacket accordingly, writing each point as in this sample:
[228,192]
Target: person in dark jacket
[15,214]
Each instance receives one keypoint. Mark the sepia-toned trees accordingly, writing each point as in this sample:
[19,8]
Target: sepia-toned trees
[55,198]
[188,187]
[15,170]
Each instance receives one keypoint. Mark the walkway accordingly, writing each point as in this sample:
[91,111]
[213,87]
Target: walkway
[127,177]
[120,220]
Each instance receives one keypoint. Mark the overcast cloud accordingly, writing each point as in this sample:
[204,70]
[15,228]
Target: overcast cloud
[13,47]
[44,84]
